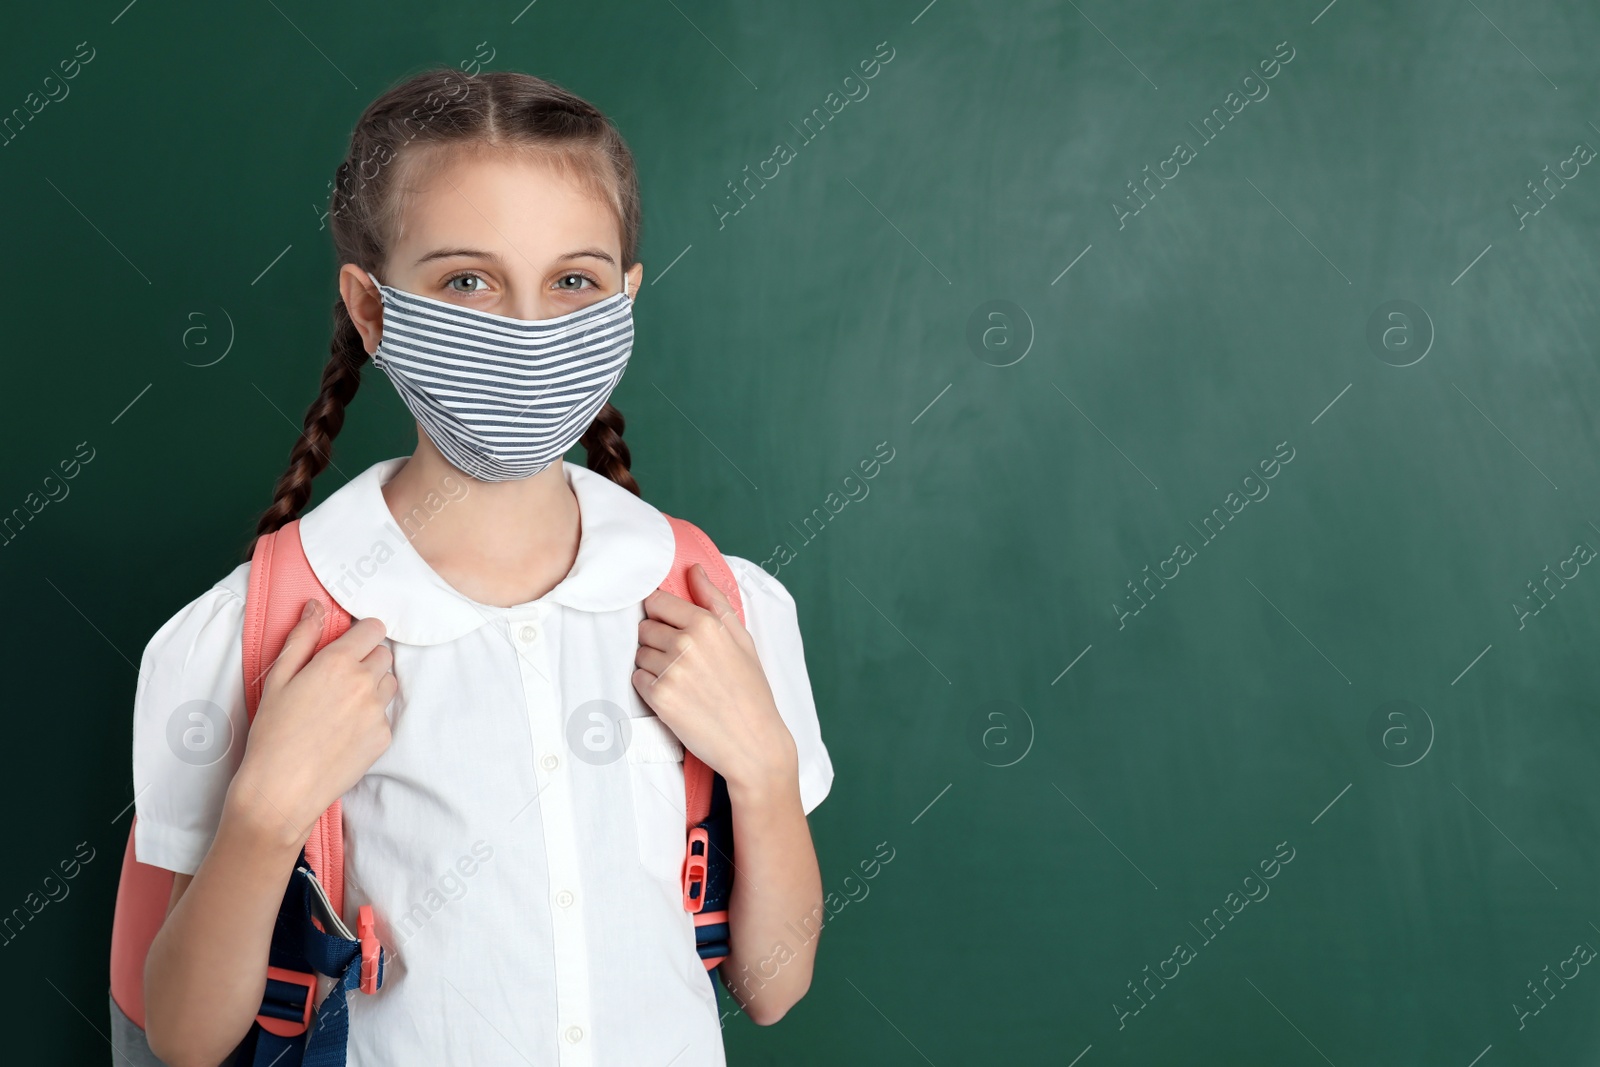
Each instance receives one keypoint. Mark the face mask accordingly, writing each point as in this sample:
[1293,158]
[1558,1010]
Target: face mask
[502,398]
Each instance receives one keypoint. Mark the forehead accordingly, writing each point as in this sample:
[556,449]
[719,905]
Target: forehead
[515,203]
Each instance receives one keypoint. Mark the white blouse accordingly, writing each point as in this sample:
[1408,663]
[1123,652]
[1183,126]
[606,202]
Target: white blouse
[525,879]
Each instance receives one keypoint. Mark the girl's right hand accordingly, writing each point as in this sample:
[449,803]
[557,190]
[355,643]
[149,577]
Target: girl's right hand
[321,724]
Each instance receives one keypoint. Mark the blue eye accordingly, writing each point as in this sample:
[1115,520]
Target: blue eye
[464,277]
[580,277]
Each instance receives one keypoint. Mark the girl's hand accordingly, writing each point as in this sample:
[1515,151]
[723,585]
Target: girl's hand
[321,723]
[699,671]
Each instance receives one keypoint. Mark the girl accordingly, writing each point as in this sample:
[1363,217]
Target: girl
[527,893]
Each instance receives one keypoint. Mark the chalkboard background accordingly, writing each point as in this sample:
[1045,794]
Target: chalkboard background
[1360,676]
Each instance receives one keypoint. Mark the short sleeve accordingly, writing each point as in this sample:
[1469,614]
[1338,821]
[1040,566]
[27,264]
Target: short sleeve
[771,619]
[189,726]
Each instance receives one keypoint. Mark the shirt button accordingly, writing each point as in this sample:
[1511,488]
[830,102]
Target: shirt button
[528,634]
[564,898]
[574,1034]
[550,761]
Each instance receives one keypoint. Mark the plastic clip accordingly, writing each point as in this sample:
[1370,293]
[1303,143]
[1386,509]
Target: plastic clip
[283,1021]
[695,858]
[371,951]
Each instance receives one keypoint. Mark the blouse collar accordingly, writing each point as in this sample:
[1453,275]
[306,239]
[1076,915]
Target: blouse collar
[368,565]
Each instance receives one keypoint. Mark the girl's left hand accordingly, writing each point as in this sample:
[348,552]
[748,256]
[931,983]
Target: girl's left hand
[698,670]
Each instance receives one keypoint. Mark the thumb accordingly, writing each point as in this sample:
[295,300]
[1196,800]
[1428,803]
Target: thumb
[298,647]
[710,596]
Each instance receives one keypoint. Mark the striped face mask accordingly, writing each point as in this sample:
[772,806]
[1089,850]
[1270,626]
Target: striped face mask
[502,398]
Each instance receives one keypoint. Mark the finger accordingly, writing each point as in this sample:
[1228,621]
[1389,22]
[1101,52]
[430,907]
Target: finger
[714,600]
[708,594]
[298,647]
[362,637]
[717,603]
[655,660]
[662,635]
[670,608]
[380,661]
[643,680]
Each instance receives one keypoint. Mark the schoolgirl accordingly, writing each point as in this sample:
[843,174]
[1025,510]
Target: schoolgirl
[528,894]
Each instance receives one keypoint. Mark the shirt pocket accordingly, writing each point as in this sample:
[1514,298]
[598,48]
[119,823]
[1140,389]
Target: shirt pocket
[655,773]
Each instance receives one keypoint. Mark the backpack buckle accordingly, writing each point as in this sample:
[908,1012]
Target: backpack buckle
[696,855]
[371,951]
[280,1013]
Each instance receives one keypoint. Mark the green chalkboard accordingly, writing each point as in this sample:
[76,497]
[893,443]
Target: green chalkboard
[1213,645]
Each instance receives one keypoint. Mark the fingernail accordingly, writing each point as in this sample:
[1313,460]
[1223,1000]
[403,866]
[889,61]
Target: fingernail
[309,610]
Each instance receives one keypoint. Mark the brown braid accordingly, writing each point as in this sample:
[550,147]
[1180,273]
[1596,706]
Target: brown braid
[341,376]
[422,123]
[607,452]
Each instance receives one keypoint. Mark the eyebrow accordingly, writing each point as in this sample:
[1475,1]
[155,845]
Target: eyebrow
[478,253]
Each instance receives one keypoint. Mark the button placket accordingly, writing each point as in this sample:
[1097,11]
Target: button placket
[546,731]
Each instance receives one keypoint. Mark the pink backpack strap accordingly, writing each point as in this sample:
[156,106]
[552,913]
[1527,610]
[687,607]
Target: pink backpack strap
[693,546]
[281,581]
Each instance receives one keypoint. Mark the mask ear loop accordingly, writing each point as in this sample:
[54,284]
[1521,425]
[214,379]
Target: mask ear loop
[373,356]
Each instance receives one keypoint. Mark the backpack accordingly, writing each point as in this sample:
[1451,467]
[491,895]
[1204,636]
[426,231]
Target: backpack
[310,936]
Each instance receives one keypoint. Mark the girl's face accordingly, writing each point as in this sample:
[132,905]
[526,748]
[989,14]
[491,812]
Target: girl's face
[500,233]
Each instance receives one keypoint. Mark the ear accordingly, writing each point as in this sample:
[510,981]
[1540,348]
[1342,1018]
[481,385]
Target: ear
[364,304]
